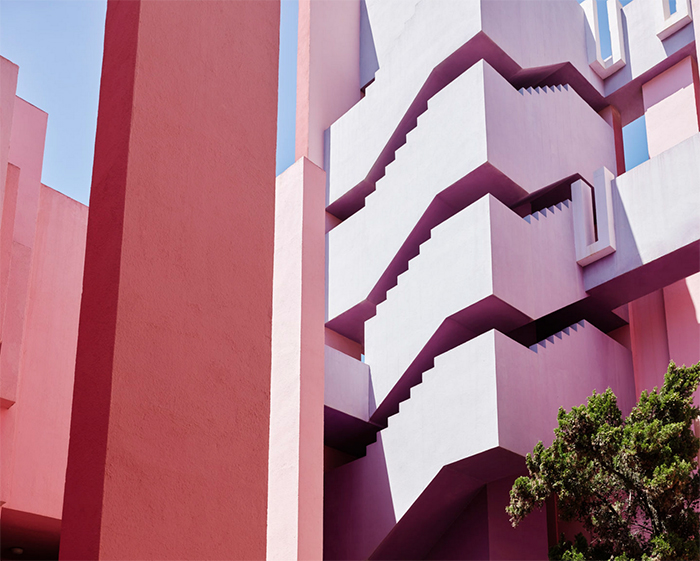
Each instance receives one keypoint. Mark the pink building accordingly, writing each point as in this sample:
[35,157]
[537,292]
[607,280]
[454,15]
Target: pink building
[459,250]
[488,257]
[42,250]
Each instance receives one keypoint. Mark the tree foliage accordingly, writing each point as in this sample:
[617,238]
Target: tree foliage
[633,483]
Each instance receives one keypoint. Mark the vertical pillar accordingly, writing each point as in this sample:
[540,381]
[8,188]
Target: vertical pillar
[328,70]
[8,87]
[682,309]
[611,115]
[295,513]
[169,434]
[648,333]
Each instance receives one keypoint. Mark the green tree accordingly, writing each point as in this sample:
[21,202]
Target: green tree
[633,483]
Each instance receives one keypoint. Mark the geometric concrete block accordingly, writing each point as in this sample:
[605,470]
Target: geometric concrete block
[475,138]
[482,407]
[595,237]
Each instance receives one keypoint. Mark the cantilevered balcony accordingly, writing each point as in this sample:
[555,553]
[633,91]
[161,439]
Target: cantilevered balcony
[482,407]
[485,268]
[545,43]
[479,135]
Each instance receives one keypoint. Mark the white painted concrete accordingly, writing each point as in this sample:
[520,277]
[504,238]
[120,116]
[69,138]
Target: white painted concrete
[347,385]
[479,119]
[484,251]
[656,207]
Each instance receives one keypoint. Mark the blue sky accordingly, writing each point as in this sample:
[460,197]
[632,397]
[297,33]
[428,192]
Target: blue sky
[58,47]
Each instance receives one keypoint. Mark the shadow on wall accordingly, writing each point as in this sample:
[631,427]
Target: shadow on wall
[350,530]
[369,63]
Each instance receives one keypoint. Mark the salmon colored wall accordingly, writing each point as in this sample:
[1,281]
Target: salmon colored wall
[664,326]
[671,106]
[8,86]
[7,224]
[169,436]
[682,307]
[27,153]
[696,26]
[34,458]
[42,250]
[650,354]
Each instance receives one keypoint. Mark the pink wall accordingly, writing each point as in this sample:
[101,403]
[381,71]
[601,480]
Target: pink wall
[7,226]
[483,530]
[34,459]
[328,70]
[612,116]
[8,86]
[169,436]
[27,153]
[650,353]
[664,326]
[682,309]
[527,541]
[42,245]
[295,507]
[671,106]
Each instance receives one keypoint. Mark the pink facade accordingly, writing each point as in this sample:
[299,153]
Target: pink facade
[494,257]
[352,362]
[42,249]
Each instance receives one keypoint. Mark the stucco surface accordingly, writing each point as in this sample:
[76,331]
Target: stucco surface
[295,503]
[484,268]
[171,404]
[36,428]
[656,206]
[671,113]
[494,395]
[543,42]
[8,86]
[26,153]
[469,142]
[328,69]
[682,311]
[347,386]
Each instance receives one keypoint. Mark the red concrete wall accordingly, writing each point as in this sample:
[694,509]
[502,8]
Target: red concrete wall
[169,436]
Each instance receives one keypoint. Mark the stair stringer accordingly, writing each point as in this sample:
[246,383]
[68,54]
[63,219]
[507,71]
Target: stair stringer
[464,147]
[484,401]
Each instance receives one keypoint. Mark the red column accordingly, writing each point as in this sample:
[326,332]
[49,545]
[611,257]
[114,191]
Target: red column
[169,435]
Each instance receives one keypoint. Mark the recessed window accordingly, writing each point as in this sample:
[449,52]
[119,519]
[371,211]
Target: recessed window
[634,141]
